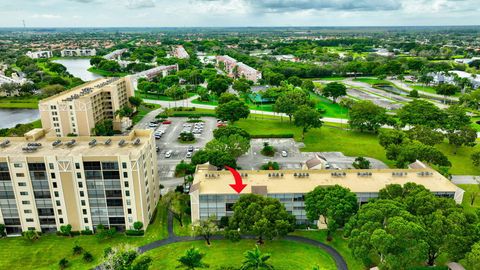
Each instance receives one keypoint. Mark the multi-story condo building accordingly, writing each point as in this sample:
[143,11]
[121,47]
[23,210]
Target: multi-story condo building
[77,111]
[180,52]
[47,182]
[237,69]
[211,194]
[39,54]
[78,52]
[115,54]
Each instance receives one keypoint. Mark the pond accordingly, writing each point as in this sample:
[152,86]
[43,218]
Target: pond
[79,68]
[391,89]
[11,117]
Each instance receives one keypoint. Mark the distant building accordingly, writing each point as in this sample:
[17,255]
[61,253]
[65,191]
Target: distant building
[180,52]
[210,193]
[237,69]
[286,57]
[39,54]
[449,77]
[383,52]
[78,110]
[78,52]
[466,60]
[48,182]
[115,54]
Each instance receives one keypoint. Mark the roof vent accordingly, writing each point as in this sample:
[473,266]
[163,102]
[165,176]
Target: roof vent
[107,142]
[137,141]
[93,142]
[71,143]
[121,143]
[5,143]
[56,143]
[34,144]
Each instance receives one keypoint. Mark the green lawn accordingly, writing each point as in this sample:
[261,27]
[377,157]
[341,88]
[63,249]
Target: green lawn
[331,78]
[333,110]
[19,103]
[158,97]
[18,253]
[107,73]
[338,242]
[428,89]
[474,123]
[284,254]
[186,230]
[353,143]
[467,197]
[144,110]
[372,80]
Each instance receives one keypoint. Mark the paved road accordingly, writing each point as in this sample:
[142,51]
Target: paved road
[172,238]
[465,179]
[423,93]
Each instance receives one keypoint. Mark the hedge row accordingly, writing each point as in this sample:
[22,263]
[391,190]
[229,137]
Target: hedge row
[134,232]
[261,136]
[187,114]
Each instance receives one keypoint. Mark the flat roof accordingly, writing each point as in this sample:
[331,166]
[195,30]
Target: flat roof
[81,90]
[209,181]
[83,145]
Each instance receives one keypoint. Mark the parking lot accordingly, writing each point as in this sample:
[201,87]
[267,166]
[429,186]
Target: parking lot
[168,142]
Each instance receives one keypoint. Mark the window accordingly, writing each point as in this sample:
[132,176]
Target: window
[54,184]
[59,211]
[22,184]
[57,203]
[80,184]
[60,220]
[126,183]
[125,175]
[27,211]
[79,175]
[124,165]
[20,174]
[23,193]
[82,202]
[127,193]
[129,210]
[85,220]
[17,165]
[56,194]
[25,202]
[82,194]
[77,166]
[52,175]
[29,219]
[51,166]
[84,211]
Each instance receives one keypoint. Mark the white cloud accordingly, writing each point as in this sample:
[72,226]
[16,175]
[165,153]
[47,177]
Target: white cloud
[140,4]
[46,16]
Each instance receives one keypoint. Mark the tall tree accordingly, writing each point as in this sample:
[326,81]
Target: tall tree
[235,145]
[289,102]
[334,90]
[366,116]
[421,112]
[177,204]
[307,118]
[205,228]
[232,111]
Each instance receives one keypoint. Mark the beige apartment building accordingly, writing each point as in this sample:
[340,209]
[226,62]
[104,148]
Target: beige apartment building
[211,194]
[76,111]
[47,182]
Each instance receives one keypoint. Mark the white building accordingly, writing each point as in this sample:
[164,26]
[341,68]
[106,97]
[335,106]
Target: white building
[286,57]
[39,54]
[180,52]
[115,54]
[78,52]
[442,77]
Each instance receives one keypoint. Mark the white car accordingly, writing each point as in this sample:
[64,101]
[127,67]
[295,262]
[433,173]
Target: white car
[152,125]
[284,153]
[168,154]
[189,155]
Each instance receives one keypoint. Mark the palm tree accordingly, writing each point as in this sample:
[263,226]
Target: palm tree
[192,259]
[254,259]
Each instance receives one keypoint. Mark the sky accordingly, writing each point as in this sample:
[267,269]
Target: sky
[234,13]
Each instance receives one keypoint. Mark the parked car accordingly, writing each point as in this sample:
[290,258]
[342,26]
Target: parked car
[168,154]
[152,124]
[190,148]
[167,122]
[221,125]
[189,155]
[157,149]
[158,135]
[284,153]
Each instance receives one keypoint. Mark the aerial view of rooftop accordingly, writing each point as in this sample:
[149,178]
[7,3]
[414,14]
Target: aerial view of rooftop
[240,134]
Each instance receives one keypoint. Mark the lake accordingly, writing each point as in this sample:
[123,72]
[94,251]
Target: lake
[11,117]
[79,68]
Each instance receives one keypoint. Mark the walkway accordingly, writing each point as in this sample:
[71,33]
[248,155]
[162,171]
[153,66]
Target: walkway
[172,238]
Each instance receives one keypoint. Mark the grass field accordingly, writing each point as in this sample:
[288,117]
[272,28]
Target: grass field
[157,97]
[144,110]
[18,253]
[428,89]
[107,73]
[224,253]
[338,242]
[18,103]
[372,80]
[471,190]
[353,143]
[333,110]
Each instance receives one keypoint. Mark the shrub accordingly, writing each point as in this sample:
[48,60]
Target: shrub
[268,150]
[134,232]
[77,250]
[270,166]
[87,257]
[233,235]
[261,136]
[86,232]
[63,263]
[223,222]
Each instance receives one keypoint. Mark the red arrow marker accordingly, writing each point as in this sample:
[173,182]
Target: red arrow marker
[239,185]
